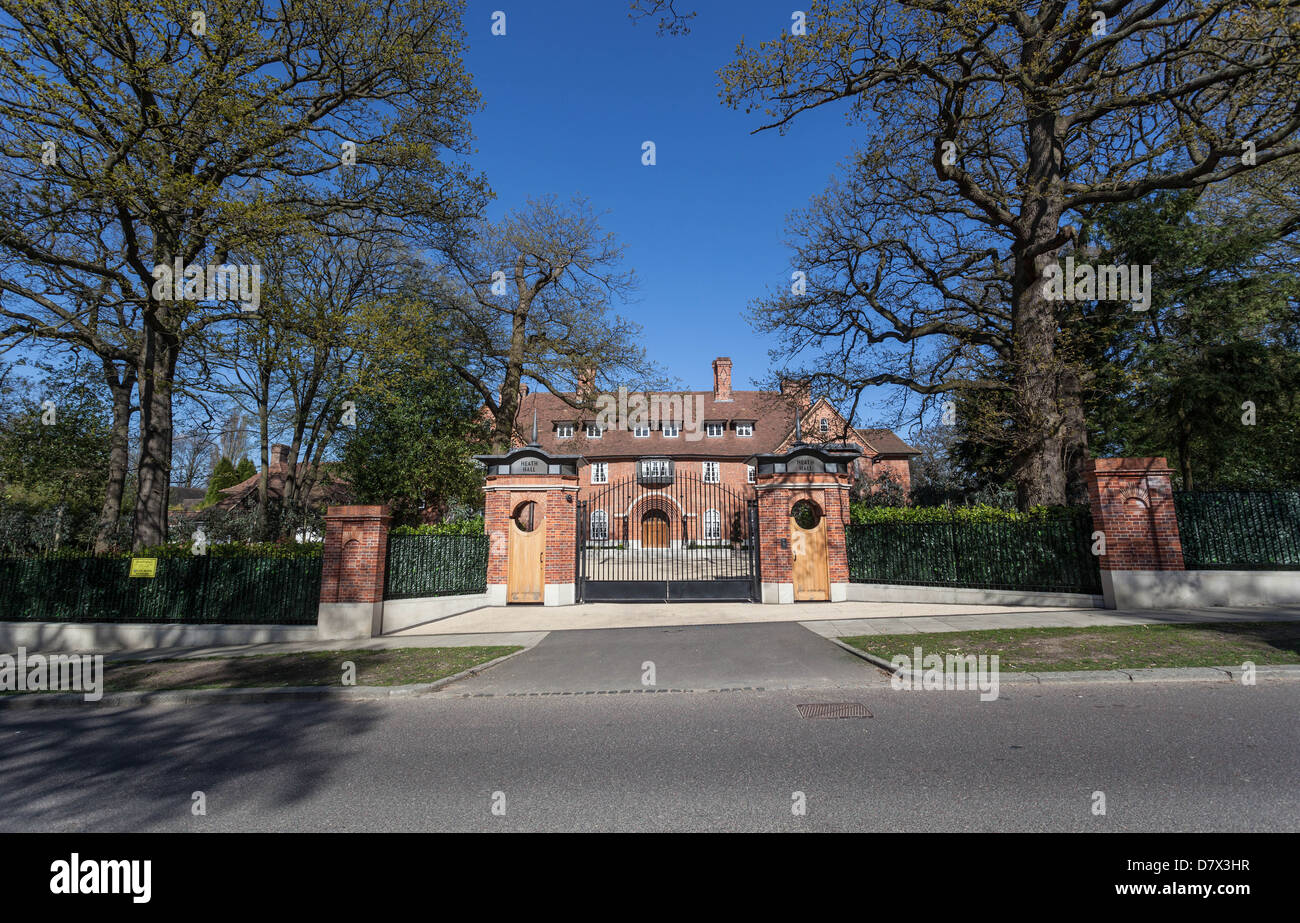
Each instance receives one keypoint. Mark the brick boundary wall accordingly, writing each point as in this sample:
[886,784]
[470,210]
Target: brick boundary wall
[353,567]
[1133,506]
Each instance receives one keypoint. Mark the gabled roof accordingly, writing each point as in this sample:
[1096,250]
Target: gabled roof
[772,413]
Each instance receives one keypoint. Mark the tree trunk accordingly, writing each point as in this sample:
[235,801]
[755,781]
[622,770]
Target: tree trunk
[120,387]
[508,410]
[156,375]
[1074,443]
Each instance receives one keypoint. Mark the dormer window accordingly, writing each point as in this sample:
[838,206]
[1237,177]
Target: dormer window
[744,429]
[826,426]
[714,429]
[564,430]
[641,432]
[671,430]
[594,431]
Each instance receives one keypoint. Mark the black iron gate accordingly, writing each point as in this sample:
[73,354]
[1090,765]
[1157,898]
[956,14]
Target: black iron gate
[663,536]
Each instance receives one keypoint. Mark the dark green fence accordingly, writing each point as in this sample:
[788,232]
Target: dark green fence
[198,589]
[1239,529]
[1046,555]
[435,565]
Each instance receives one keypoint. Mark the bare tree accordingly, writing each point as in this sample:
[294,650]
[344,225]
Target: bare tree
[532,297]
[992,128]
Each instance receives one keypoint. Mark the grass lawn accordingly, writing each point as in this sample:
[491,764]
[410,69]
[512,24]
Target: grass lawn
[395,667]
[1131,647]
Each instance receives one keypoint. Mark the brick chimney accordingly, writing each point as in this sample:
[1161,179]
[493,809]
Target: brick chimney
[279,457]
[722,379]
[799,391]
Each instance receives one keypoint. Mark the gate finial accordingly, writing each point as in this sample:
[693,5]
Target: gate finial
[798,429]
[534,442]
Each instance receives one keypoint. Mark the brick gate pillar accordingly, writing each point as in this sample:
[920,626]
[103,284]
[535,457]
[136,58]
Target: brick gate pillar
[1133,507]
[550,481]
[817,473]
[352,572]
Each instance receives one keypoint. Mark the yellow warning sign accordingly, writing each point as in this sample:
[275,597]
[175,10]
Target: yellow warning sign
[144,567]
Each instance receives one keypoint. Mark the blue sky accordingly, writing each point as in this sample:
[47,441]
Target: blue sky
[571,92]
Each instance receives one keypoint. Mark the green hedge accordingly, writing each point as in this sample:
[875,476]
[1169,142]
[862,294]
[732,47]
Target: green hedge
[1239,529]
[1047,553]
[435,565]
[864,515]
[239,589]
[473,526]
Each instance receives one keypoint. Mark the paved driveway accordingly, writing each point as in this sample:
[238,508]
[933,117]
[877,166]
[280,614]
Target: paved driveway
[696,657]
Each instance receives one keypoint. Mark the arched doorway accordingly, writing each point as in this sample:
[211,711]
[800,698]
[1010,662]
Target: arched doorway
[654,529]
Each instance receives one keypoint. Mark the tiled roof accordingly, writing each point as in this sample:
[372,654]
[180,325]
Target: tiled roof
[771,413]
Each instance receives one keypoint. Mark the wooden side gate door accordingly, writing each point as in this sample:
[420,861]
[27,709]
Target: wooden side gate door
[526,554]
[809,566]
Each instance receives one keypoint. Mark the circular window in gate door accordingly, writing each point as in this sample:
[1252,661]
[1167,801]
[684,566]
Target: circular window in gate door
[525,516]
[806,514]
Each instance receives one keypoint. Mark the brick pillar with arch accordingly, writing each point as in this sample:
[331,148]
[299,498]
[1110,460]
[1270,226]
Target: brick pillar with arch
[781,481]
[520,476]
[352,573]
[1133,507]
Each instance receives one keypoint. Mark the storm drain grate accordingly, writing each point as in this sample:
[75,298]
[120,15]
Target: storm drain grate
[834,710]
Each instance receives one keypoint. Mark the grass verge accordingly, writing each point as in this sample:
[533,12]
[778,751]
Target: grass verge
[397,667]
[1109,647]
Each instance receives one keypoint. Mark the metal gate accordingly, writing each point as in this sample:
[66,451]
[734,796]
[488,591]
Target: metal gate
[663,536]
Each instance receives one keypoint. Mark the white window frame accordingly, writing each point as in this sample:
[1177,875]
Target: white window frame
[594,431]
[564,431]
[715,467]
[825,426]
[671,430]
[709,429]
[599,526]
[655,467]
[641,432]
[600,472]
[744,429]
[750,473]
[712,526]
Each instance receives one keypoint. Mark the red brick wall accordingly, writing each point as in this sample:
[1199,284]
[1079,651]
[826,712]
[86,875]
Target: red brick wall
[558,509]
[355,554]
[1133,505]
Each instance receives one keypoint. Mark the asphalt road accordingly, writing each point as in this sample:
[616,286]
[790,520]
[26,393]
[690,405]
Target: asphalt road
[1168,757]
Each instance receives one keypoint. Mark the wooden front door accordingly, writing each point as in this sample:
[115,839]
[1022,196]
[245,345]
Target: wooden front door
[654,529]
[809,567]
[526,554]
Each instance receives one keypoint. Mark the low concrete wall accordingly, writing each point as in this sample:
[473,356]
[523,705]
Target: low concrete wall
[406,613]
[967,596]
[1194,589]
[134,636]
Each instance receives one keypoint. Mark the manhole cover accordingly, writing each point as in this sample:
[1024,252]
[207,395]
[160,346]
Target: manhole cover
[834,710]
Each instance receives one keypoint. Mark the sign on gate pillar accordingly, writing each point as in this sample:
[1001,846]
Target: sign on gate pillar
[803,507]
[530,516]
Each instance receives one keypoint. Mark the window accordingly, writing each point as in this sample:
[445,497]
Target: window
[656,468]
[712,526]
[641,432]
[525,516]
[749,473]
[594,431]
[671,430]
[826,426]
[599,526]
[599,472]
[744,429]
[564,430]
[713,429]
[712,473]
